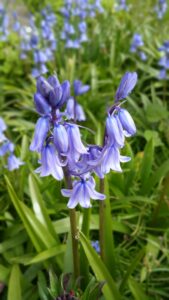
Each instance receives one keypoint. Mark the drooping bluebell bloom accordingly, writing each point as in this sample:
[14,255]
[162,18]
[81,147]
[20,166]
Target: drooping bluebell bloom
[79,88]
[41,131]
[136,45]
[164,60]
[16,25]
[61,138]
[111,159]
[76,147]
[114,131]
[14,162]
[161,8]
[127,84]
[50,164]
[7,149]
[4,23]
[82,192]
[127,122]
[3,126]
[119,124]
[121,5]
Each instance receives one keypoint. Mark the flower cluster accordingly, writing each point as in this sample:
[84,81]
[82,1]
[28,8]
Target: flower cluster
[4,22]
[121,5]
[164,60]
[161,8]
[57,137]
[136,44]
[41,42]
[7,149]
[75,12]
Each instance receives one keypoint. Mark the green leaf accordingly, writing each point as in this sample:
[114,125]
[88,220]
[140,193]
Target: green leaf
[39,208]
[14,287]
[137,290]
[44,255]
[157,176]
[108,253]
[4,273]
[110,289]
[156,113]
[146,166]
[132,267]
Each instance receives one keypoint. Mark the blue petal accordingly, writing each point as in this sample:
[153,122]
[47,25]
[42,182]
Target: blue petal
[127,121]
[41,130]
[41,104]
[60,138]
[127,84]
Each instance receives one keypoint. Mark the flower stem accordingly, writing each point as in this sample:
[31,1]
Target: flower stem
[74,230]
[101,221]
[84,265]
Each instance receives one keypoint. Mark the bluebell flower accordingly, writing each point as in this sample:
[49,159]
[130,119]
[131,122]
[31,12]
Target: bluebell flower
[60,138]
[16,26]
[3,24]
[50,163]
[76,146]
[121,5]
[74,110]
[127,122]
[79,88]
[56,94]
[82,192]
[111,159]
[3,126]
[42,106]
[60,144]
[164,60]
[14,162]
[142,55]
[137,43]
[161,8]
[96,246]
[6,147]
[114,131]
[41,131]
[162,74]
[127,84]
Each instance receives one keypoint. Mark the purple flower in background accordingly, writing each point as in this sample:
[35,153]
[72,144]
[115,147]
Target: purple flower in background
[14,162]
[96,246]
[164,60]
[82,192]
[161,8]
[7,149]
[74,31]
[79,88]
[4,23]
[121,5]
[136,44]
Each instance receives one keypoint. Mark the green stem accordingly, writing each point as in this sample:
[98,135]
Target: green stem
[101,221]
[74,230]
[84,265]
